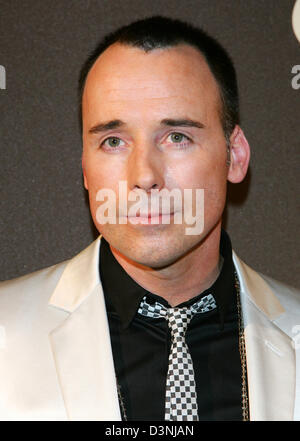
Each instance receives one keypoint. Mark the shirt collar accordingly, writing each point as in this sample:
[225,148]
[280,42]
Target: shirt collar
[123,295]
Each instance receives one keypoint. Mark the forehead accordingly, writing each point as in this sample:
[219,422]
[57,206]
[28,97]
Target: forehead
[125,75]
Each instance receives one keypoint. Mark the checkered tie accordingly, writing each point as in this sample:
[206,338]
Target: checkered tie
[181,396]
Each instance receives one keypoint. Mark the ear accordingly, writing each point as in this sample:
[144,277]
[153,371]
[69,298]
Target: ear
[84,175]
[239,156]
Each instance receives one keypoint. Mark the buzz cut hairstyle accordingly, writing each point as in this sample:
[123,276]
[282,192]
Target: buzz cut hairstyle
[159,32]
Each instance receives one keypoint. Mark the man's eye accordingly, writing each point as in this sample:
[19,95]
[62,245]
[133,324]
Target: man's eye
[112,141]
[178,138]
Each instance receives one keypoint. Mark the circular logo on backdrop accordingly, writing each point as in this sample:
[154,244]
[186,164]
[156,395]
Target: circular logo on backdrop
[296,19]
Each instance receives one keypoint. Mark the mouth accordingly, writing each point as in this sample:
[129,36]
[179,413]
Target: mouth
[151,218]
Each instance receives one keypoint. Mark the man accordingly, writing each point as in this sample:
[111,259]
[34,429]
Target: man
[151,322]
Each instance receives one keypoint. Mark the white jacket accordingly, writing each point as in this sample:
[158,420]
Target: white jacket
[55,354]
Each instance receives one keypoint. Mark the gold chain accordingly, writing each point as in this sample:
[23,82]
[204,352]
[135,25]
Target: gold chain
[122,405]
[242,349]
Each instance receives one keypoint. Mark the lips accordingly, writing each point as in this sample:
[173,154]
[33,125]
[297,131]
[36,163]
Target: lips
[150,215]
[151,218]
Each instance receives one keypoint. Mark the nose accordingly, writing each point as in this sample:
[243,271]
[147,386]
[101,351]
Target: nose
[145,168]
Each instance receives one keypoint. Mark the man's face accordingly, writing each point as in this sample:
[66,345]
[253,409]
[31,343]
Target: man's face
[150,94]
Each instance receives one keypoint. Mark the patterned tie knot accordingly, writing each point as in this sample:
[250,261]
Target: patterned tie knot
[178,320]
[157,310]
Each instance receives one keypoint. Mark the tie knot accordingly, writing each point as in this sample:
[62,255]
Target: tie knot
[178,320]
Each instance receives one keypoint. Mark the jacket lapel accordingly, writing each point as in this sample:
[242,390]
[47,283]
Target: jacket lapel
[81,344]
[270,352]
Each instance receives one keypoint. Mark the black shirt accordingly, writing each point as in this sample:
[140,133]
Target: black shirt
[141,344]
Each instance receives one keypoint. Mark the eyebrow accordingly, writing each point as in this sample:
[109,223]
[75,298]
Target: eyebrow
[110,125]
[182,123]
[116,124]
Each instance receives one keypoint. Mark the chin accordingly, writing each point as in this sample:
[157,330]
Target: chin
[153,252]
[155,260]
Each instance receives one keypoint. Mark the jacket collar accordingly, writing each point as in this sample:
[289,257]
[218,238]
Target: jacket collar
[257,290]
[79,279]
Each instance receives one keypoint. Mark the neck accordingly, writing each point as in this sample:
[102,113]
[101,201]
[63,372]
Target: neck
[193,273]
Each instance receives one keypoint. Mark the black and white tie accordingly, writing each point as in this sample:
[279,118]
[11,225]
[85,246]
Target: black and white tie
[181,396]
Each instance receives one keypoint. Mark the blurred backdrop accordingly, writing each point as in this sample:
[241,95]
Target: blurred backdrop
[43,44]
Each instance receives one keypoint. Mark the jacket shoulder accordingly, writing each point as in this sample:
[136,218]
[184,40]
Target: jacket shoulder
[269,295]
[288,295]
[26,287]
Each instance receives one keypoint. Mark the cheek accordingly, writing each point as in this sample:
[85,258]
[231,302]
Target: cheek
[204,172]
[209,174]
[99,174]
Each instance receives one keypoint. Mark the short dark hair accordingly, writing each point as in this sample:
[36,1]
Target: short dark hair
[161,32]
